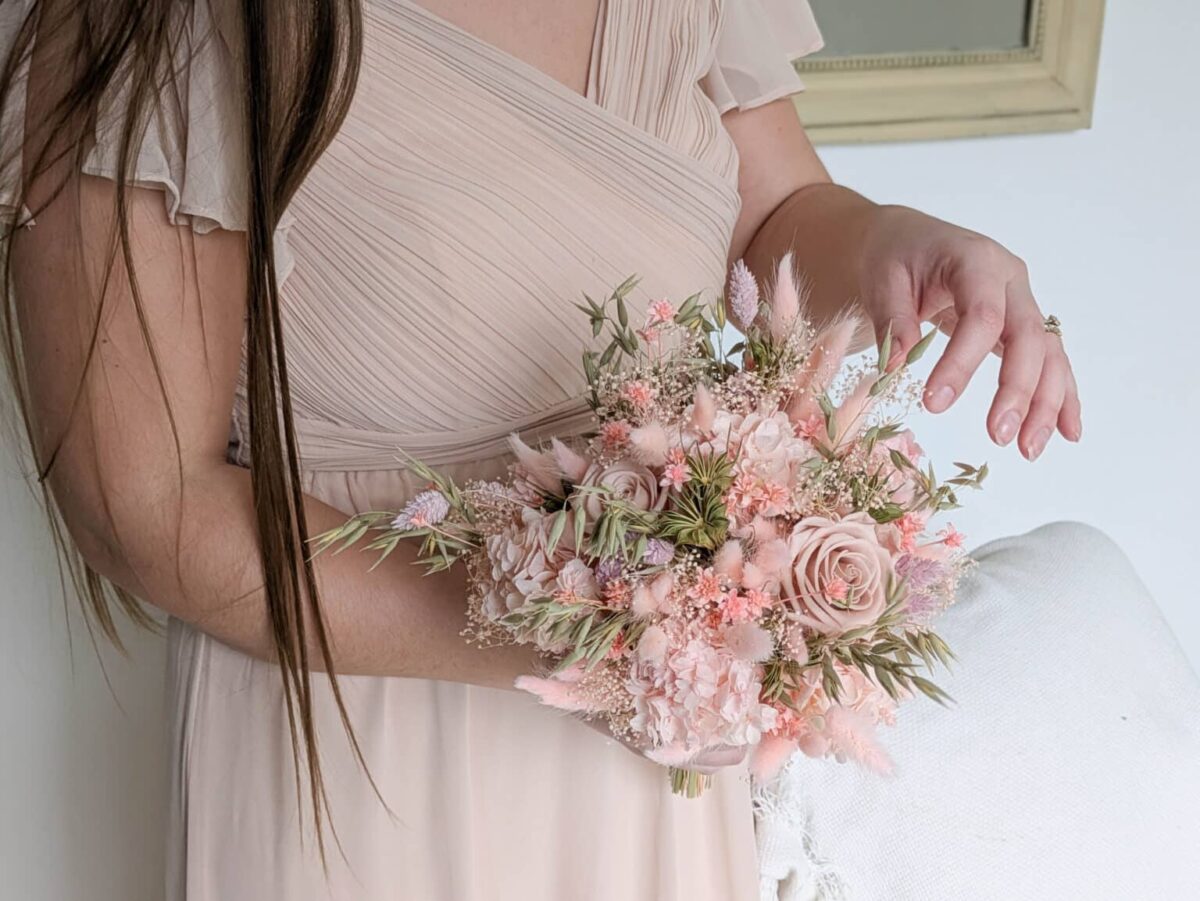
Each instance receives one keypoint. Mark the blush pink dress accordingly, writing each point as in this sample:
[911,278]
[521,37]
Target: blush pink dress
[432,262]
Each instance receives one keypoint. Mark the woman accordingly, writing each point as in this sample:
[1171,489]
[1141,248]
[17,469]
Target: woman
[229,319]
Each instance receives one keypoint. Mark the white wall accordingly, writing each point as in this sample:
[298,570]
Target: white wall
[1107,220]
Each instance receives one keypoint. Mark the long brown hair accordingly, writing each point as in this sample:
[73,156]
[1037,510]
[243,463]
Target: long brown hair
[300,66]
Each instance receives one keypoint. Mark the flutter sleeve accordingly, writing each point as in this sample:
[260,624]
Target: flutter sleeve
[758,41]
[193,147]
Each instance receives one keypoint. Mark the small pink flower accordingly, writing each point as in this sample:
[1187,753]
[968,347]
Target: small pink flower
[675,475]
[707,588]
[617,593]
[661,312]
[638,393]
[759,600]
[735,608]
[837,590]
[811,428]
[951,537]
[615,435]
[773,496]
[911,525]
[618,649]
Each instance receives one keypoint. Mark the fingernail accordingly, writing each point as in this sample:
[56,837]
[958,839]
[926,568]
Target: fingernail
[1039,443]
[1006,428]
[939,399]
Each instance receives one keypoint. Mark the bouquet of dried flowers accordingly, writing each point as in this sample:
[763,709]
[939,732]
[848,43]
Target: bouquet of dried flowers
[739,553]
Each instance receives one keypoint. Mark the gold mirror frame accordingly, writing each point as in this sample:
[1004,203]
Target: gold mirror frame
[1046,86]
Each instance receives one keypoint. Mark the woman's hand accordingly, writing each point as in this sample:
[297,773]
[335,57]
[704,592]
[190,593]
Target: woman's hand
[905,268]
[705,762]
[916,268]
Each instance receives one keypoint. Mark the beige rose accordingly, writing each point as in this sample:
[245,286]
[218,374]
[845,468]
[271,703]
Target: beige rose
[632,483]
[838,576]
[769,446]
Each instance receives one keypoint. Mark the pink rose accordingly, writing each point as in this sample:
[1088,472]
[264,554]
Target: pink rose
[838,576]
[634,484]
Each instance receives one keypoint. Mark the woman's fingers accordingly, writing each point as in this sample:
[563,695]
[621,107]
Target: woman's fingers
[1023,354]
[715,759]
[1047,403]
[893,312]
[979,300]
[1070,419]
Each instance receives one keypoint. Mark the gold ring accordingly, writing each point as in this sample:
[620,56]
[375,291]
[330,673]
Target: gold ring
[1052,325]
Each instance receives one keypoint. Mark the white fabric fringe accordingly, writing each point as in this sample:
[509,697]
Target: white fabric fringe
[790,866]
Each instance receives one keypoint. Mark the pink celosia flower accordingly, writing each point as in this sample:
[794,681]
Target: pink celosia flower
[743,295]
[618,648]
[428,508]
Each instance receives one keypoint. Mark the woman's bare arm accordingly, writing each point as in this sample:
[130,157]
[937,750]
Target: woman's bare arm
[174,523]
[903,267]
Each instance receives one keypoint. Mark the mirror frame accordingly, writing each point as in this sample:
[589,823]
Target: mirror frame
[1046,86]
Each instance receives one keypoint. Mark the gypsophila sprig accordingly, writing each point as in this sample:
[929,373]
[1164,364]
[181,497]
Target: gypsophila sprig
[738,553]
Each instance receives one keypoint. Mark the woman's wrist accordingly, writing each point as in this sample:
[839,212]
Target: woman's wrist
[825,227]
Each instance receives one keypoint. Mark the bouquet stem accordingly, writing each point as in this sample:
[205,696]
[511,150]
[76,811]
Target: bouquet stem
[688,783]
